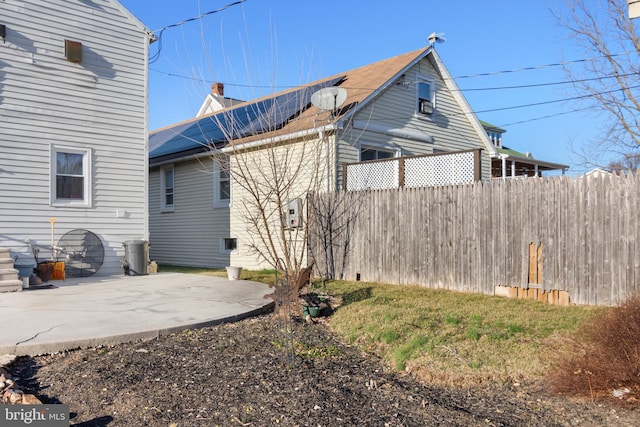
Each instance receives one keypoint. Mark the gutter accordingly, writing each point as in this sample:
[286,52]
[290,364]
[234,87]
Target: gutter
[232,149]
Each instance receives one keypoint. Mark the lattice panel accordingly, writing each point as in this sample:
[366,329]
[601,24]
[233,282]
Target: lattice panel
[373,176]
[424,171]
[445,169]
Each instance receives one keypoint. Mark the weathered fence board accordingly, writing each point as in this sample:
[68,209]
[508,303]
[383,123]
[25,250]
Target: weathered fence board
[583,233]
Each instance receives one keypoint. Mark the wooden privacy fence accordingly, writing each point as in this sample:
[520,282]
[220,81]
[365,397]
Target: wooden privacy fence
[558,238]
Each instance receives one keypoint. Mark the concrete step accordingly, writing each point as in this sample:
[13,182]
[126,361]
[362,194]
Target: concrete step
[5,253]
[11,285]
[6,263]
[8,274]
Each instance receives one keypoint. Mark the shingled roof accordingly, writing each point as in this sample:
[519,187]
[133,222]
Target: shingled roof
[282,113]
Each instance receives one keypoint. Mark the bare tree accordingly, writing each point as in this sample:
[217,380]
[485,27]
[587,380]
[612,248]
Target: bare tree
[272,173]
[609,79]
[629,163]
[333,217]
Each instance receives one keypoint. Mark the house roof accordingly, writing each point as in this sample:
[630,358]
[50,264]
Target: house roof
[528,159]
[281,113]
[489,126]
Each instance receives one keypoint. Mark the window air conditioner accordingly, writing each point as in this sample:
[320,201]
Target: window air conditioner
[426,107]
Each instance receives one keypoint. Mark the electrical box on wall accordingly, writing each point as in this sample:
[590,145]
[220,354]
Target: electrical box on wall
[294,213]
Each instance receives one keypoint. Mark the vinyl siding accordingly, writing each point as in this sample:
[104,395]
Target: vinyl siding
[311,158]
[190,234]
[100,104]
[450,128]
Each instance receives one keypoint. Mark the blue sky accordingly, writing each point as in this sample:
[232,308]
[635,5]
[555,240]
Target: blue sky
[260,46]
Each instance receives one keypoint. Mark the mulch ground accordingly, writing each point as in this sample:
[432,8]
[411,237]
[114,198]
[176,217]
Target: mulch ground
[245,374]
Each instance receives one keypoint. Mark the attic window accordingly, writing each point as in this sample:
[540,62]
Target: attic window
[425,97]
[73,51]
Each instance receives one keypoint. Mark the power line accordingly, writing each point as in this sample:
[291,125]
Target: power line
[537,67]
[535,104]
[564,82]
[201,16]
[156,55]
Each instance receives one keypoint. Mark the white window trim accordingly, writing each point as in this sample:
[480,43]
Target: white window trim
[87,173]
[222,248]
[397,152]
[163,188]
[432,85]
[217,201]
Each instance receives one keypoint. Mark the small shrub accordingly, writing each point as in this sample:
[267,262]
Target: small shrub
[604,357]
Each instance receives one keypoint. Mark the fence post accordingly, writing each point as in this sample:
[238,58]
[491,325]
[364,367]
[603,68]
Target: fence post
[344,177]
[401,172]
[477,164]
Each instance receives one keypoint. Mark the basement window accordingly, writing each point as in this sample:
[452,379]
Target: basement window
[228,244]
[73,51]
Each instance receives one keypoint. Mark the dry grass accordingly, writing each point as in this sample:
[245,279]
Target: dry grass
[605,356]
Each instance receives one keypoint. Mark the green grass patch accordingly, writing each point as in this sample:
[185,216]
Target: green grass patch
[452,336]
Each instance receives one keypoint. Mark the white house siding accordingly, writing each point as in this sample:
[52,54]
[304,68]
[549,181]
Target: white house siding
[190,234]
[312,157]
[100,104]
[449,126]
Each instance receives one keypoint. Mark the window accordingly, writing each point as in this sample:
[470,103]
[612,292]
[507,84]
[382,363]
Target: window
[368,152]
[70,176]
[228,244]
[167,190]
[425,97]
[221,183]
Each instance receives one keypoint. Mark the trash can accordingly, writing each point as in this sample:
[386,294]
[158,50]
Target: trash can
[24,263]
[136,255]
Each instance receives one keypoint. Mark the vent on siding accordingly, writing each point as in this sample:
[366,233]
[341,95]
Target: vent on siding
[73,51]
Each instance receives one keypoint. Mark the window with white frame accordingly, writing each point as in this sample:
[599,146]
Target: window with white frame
[426,97]
[167,188]
[373,152]
[221,183]
[70,176]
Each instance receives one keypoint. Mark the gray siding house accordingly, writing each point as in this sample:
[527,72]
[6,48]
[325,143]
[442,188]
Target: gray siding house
[403,106]
[73,127]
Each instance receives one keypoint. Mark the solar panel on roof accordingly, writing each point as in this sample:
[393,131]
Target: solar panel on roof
[245,120]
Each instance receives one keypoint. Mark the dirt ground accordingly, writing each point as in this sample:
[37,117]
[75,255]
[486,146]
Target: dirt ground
[243,374]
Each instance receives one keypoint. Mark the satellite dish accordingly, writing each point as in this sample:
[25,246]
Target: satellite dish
[329,98]
[436,38]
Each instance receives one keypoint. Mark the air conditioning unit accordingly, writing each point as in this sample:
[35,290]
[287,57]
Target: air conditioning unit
[426,107]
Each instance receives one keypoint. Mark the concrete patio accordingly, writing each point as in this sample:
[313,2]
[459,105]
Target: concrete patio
[86,312]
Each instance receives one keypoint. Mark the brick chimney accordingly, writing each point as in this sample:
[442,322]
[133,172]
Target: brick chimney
[217,89]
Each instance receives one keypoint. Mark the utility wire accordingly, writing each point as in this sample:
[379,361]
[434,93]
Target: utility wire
[535,104]
[156,55]
[565,82]
[201,16]
[537,67]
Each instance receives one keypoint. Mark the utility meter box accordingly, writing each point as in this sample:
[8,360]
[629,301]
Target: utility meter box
[294,213]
